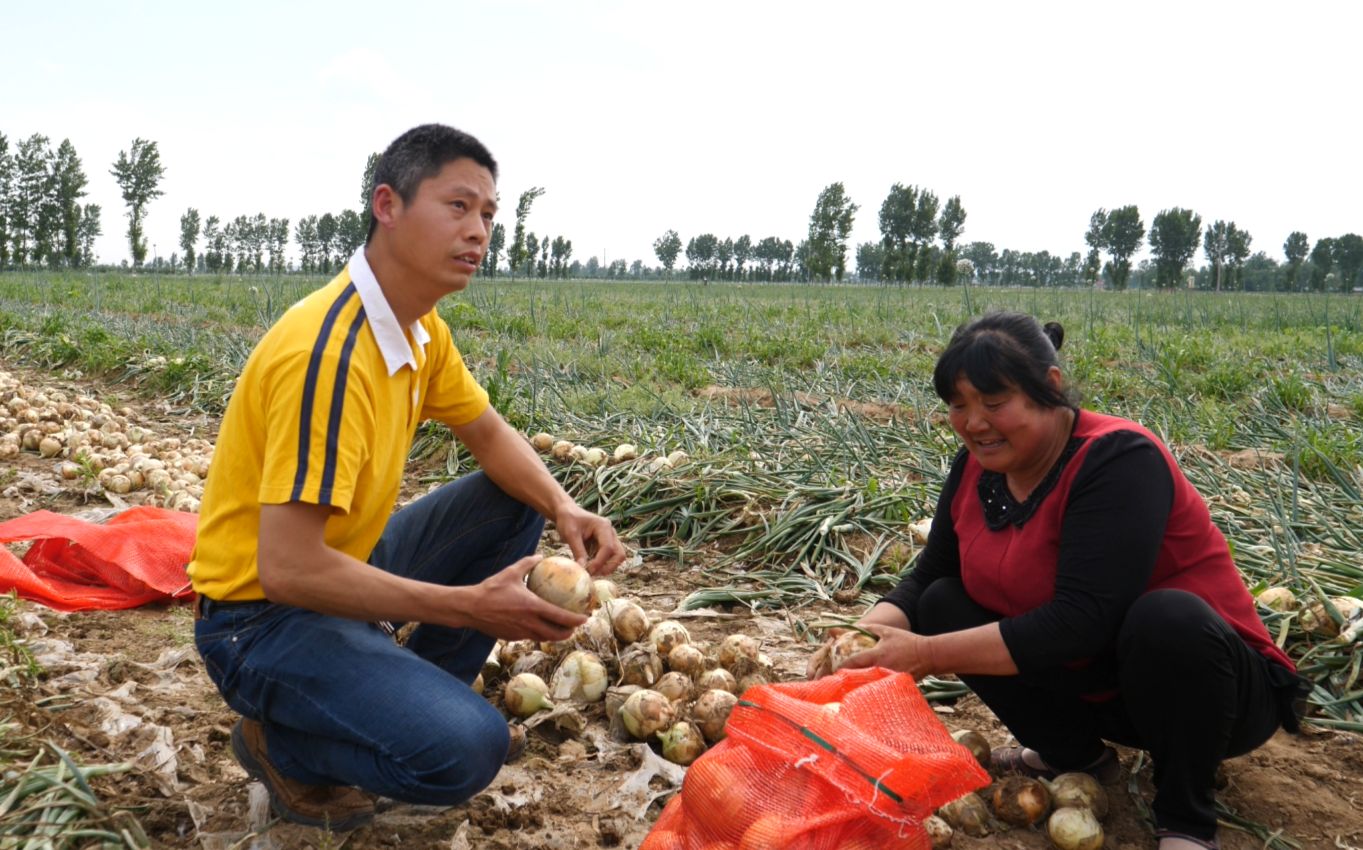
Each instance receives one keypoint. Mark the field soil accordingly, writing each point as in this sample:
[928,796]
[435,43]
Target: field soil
[128,686]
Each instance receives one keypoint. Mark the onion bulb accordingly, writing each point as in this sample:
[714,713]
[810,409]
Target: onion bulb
[738,651]
[615,699]
[711,712]
[477,685]
[624,452]
[646,713]
[1080,791]
[562,451]
[512,650]
[1021,800]
[968,814]
[49,447]
[976,743]
[596,633]
[682,743]
[1073,828]
[667,635]
[562,582]
[581,677]
[594,457]
[1318,621]
[604,590]
[675,686]
[677,458]
[542,442]
[846,645]
[538,662]
[686,658]
[718,679]
[939,832]
[640,665]
[1278,599]
[526,694]
[627,619]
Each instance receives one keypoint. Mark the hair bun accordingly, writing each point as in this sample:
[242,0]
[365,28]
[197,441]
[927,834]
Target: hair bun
[1055,333]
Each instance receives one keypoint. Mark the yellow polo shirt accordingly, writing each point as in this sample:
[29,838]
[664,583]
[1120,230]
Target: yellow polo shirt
[324,413]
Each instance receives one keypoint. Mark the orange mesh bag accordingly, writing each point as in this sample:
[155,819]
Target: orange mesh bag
[135,558]
[853,761]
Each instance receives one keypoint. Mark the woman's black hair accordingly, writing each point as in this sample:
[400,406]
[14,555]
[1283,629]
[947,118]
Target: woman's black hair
[999,351]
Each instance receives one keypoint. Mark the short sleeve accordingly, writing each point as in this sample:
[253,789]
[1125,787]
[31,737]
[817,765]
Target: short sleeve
[320,415]
[453,395]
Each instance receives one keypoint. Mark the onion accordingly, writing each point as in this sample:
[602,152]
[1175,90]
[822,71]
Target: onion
[1073,828]
[968,814]
[846,645]
[640,665]
[677,458]
[939,832]
[581,676]
[477,685]
[711,713]
[646,713]
[1021,800]
[624,452]
[492,667]
[537,662]
[615,699]
[604,590]
[718,679]
[578,453]
[594,457]
[512,650]
[1318,621]
[682,743]
[675,686]
[49,447]
[562,582]
[596,633]
[627,619]
[542,442]
[667,635]
[562,451]
[976,743]
[68,470]
[1278,599]
[526,694]
[686,658]
[750,681]
[1080,791]
[738,650]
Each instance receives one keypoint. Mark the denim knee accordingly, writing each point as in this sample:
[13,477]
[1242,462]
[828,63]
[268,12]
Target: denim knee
[460,760]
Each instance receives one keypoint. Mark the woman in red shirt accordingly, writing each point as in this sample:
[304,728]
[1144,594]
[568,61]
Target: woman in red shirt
[1074,580]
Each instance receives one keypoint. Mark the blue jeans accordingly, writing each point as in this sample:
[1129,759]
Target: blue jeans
[341,703]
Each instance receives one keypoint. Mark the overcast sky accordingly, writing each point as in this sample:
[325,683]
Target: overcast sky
[723,117]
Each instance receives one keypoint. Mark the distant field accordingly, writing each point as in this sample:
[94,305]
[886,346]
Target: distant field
[807,413]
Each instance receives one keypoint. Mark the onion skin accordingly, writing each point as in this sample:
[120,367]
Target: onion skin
[1021,800]
[1073,828]
[562,582]
[718,679]
[848,644]
[646,713]
[526,694]
[711,713]
[969,814]
[682,743]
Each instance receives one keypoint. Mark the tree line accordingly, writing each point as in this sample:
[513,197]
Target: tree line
[42,219]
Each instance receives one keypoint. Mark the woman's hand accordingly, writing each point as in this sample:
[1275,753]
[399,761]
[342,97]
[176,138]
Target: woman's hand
[897,649]
[820,664]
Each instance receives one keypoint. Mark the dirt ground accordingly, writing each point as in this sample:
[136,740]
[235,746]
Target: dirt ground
[128,687]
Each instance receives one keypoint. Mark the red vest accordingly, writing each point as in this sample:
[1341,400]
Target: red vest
[1012,571]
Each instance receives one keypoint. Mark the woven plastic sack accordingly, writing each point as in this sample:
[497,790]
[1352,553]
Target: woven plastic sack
[853,761]
[136,558]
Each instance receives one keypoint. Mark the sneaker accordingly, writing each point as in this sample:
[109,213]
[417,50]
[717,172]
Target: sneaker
[333,807]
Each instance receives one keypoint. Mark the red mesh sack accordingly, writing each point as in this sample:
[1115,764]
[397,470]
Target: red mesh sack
[136,558]
[853,761]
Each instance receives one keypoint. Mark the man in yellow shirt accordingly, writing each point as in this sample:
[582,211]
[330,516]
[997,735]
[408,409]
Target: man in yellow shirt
[299,552]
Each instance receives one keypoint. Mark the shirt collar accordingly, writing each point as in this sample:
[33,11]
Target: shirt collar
[397,352]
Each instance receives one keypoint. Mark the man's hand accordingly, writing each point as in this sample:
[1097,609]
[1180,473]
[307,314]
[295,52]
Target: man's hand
[505,608]
[897,649]
[590,537]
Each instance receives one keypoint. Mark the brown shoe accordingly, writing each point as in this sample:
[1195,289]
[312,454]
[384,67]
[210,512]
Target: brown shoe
[328,806]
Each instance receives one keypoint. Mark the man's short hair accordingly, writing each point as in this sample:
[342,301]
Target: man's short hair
[419,154]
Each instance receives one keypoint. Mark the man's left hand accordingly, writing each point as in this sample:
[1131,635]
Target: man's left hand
[592,539]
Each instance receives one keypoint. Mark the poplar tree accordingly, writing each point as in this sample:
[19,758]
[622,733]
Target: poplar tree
[138,172]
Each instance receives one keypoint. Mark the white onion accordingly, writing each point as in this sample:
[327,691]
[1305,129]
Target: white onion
[624,452]
[1073,828]
[1021,800]
[542,442]
[682,743]
[686,658]
[562,582]
[718,679]
[939,832]
[627,619]
[646,713]
[711,712]
[675,686]
[1081,791]
[581,677]
[526,694]
[667,635]
[976,743]
[846,645]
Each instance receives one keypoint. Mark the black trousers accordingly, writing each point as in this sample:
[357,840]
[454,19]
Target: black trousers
[1190,691]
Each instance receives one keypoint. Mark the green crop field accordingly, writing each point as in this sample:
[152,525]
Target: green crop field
[807,414]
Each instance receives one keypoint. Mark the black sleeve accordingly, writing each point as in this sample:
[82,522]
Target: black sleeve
[1109,539]
[941,556]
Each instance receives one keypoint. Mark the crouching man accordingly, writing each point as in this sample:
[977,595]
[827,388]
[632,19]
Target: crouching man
[299,552]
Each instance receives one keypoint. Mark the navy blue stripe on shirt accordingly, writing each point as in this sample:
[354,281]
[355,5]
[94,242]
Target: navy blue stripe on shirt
[310,389]
[337,407]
